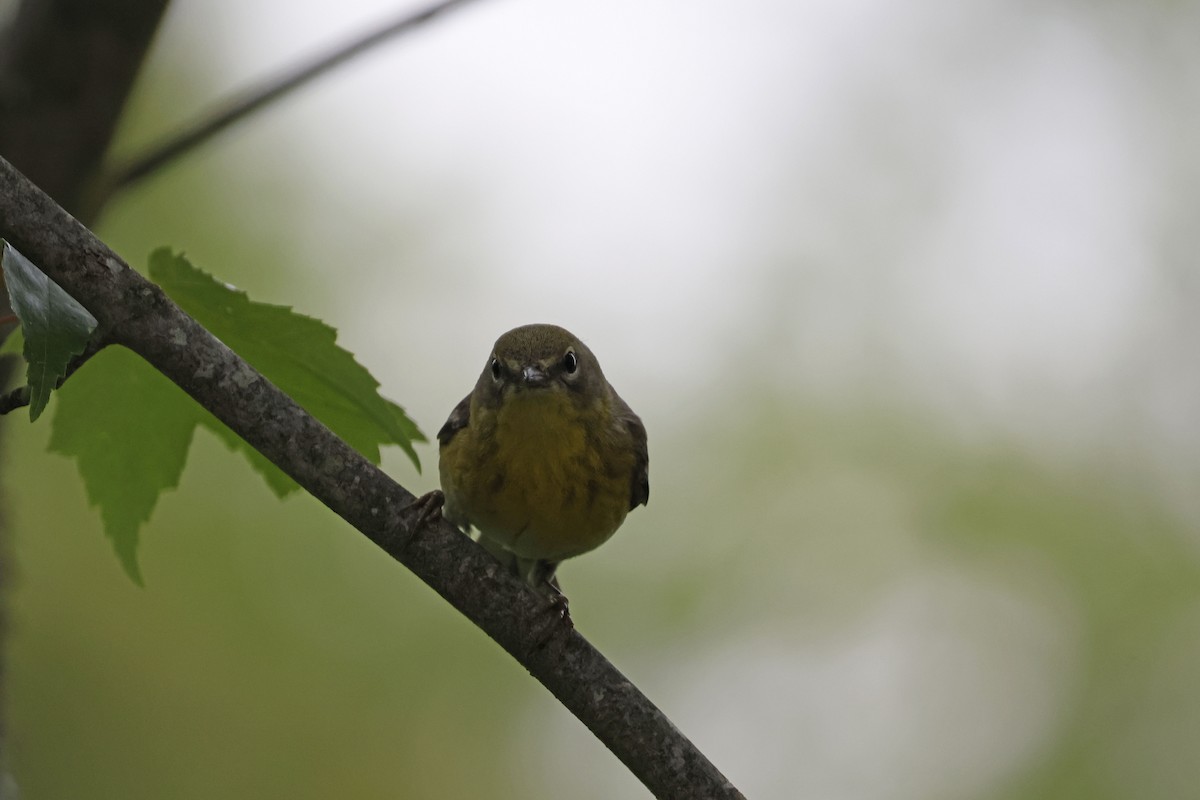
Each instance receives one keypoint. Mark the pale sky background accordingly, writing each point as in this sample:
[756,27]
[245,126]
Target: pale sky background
[968,197]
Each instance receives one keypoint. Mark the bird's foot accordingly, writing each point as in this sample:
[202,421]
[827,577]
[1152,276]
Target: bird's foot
[559,619]
[428,507]
[559,605]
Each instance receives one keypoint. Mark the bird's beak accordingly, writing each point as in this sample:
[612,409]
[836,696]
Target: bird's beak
[534,376]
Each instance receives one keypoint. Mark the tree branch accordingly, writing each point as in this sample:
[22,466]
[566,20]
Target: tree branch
[201,130]
[138,315]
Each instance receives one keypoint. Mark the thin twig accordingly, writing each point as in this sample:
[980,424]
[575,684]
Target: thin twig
[192,135]
[19,397]
[14,399]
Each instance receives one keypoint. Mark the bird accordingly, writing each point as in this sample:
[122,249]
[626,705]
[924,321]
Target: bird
[543,458]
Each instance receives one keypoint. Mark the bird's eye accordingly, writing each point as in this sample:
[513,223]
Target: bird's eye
[570,362]
[495,369]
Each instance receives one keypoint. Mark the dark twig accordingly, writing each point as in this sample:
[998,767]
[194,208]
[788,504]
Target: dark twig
[14,399]
[19,397]
[142,318]
[203,129]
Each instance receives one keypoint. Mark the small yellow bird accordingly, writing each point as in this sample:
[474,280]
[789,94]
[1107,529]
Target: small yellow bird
[543,457]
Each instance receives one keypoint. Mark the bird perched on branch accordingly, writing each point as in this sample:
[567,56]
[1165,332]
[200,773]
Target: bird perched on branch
[543,457]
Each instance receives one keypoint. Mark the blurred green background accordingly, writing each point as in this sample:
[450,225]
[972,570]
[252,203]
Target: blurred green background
[905,293]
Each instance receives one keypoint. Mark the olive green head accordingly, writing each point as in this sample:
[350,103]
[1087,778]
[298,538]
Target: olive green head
[534,359]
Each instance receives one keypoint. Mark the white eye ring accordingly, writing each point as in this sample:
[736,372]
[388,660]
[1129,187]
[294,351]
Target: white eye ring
[495,368]
[570,362]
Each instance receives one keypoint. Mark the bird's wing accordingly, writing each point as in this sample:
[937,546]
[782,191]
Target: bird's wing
[459,418]
[639,493]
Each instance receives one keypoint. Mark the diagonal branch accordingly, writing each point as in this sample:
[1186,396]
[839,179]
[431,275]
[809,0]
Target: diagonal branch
[138,315]
[201,130]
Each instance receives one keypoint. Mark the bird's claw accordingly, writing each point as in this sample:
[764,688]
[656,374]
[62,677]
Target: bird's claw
[428,507]
[559,619]
[559,605]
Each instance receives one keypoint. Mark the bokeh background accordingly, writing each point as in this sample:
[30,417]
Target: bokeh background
[906,293]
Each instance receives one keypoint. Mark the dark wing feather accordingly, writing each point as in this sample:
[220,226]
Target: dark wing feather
[639,493]
[459,418]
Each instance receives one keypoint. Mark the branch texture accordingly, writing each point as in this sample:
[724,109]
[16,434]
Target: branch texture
[136,314]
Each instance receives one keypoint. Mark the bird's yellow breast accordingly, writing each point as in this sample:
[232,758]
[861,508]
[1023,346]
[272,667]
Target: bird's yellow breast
[541,475]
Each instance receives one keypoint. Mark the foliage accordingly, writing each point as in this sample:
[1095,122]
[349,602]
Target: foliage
[298,354]
[129,429]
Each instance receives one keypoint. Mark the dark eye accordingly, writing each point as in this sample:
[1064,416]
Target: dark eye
[570,363]
[495,369]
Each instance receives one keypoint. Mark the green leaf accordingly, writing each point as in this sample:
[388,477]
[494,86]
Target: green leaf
[55,326]
[297,353]
[129,429]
